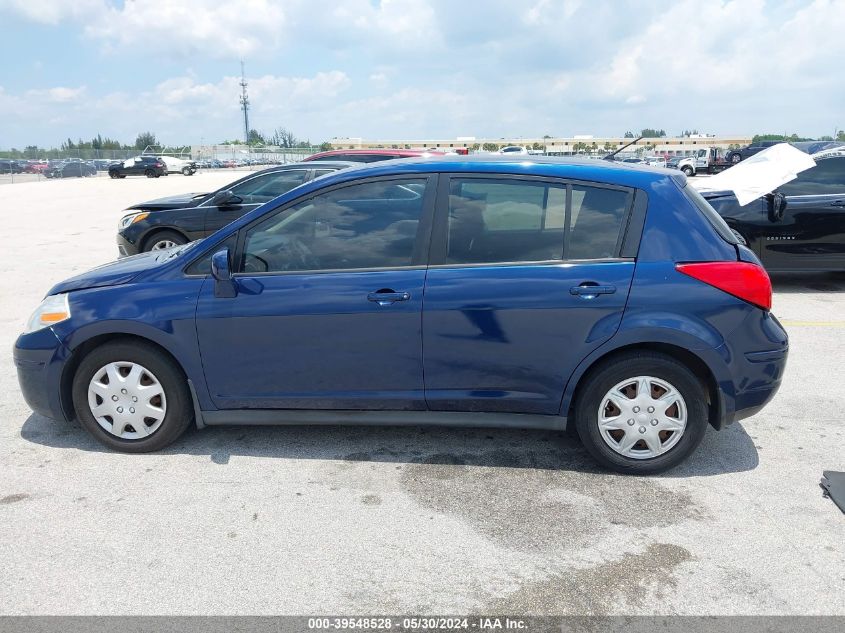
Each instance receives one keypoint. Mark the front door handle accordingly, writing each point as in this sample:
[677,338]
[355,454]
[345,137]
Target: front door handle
[589,290]
[838,203]
[386,297]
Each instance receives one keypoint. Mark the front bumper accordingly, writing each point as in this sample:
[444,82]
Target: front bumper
[125,248]
[39,360]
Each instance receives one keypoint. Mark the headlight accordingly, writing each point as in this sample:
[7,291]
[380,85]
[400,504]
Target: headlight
[126,220]
[52,310]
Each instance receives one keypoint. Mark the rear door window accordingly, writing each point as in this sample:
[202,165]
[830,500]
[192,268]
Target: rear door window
[511,220]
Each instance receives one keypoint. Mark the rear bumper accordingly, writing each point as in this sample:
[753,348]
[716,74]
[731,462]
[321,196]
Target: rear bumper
[39,360]
[756,354]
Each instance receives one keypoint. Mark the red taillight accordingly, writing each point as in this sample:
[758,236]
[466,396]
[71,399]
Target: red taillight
[746,281]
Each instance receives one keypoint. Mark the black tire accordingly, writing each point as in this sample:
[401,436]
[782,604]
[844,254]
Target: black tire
[187,171]
[734,158]
[163,236]
[114,174]
[629,365]
[179,413]
[688,171]
[150,173]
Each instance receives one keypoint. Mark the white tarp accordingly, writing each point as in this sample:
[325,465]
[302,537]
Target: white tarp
[759,174]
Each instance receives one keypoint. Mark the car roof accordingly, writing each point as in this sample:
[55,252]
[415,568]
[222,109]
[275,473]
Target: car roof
[611,172]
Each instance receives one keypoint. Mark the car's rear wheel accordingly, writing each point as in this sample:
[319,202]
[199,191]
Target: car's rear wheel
[163,240]
[150,173]
[641,413]
[131,397]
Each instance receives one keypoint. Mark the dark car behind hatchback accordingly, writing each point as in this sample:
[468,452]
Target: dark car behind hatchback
[176,220]
[533,293]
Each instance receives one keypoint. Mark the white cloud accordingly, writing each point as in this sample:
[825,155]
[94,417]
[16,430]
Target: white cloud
[444,68]
[52,11]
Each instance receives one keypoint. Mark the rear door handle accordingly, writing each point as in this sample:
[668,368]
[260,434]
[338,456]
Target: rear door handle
[838,203]
[387,297]
[589,290]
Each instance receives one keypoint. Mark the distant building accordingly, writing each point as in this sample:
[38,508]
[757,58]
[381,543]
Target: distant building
[562,146]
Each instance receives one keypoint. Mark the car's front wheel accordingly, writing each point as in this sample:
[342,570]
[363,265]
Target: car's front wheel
[641,413]
[163,240]
[131,397]
[687,170]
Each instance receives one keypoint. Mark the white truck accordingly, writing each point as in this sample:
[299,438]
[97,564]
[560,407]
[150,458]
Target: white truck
[178,165]
[705,160]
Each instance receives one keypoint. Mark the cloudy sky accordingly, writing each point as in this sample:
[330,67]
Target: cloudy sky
[418,68]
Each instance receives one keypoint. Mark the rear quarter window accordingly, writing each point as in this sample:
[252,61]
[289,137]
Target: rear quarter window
[716,220]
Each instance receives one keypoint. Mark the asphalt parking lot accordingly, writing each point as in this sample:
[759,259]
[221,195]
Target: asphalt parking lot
[298,520]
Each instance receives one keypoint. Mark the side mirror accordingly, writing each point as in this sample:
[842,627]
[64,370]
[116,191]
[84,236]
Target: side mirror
[777,206]
[224,286]
[225,198]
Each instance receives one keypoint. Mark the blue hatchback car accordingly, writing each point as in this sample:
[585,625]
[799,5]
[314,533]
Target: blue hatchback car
[520,292]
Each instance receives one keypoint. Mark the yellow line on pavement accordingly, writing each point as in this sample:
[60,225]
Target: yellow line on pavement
[813,323]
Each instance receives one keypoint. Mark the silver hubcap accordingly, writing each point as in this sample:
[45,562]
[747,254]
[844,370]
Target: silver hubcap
[642,417]
[127,400]
[163,245]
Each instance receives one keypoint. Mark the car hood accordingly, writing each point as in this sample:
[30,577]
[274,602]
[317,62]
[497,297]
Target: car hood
[114,273]
[172,202]
[760,174]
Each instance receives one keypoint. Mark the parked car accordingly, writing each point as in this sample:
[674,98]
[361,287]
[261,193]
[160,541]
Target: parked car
[310,310]
[8,166]
[800,225]
[36,167]
[175,220]
[176,165]
[513,149]
[149,166]
[71,169]
[370,155]
[736,155]
[655,161]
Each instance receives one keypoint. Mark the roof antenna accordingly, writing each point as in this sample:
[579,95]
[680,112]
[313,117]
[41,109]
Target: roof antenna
[611,156]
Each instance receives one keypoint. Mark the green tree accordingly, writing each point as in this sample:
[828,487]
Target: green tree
[144,140]
[648,132]
[282,137]
[325,146]
[629,135]
[490,147]
[840,136]
[255,138]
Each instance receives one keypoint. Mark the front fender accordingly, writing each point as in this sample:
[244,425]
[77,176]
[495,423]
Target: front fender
[163,313]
